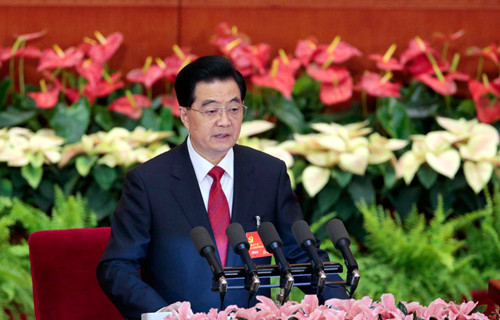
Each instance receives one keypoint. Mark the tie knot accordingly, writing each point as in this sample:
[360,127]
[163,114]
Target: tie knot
[216,173]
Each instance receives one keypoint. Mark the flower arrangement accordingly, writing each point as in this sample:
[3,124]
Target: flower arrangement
[336,309]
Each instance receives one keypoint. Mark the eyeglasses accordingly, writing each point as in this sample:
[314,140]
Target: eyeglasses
[234,111]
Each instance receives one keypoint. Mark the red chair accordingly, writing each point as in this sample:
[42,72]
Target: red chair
[63,269]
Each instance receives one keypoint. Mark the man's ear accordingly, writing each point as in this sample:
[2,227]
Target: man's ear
[184,116]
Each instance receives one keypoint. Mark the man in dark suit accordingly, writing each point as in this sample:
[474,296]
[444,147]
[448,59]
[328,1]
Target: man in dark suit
[166,197]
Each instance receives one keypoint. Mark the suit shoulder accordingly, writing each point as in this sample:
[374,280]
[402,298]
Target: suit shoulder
[159,164]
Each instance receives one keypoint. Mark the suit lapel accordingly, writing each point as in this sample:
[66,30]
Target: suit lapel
[187,191]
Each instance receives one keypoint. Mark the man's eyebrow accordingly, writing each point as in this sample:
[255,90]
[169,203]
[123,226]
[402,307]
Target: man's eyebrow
[210,101]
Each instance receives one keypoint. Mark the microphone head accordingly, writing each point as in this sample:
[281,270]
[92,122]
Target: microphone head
[236,236]
[201,239]
[337,232]
[269,235]
[302,232]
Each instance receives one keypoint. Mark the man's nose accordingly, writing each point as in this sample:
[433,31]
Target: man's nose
[223,117]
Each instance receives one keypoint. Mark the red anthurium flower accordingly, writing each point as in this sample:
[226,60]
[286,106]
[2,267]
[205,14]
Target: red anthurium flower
[30,52]
[445,87]
[73,94]
[247,59]
[336,92]
[170,101]
[56,58]
[490,52]
[422,65]
[148,75]
[281,81]
[32,36]
[378,86]
[386,62]
[448,37]
[329,75]
[227,38]
[106,48]
[337,52]
[173,64]
[105,86]
[130,105]
[90,70]
[486,99]
[305,50]
[48,97]
[287,64]
[391,64]
[416,48]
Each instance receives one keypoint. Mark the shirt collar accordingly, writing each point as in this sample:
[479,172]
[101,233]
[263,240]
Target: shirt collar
[202,166]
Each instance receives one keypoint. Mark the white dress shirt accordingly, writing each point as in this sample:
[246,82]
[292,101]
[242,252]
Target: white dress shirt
[201,168]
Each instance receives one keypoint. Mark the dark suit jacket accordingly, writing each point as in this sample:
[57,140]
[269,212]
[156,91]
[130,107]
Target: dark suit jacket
[161,203]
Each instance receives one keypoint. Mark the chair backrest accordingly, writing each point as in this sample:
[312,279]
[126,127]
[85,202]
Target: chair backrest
[63,269]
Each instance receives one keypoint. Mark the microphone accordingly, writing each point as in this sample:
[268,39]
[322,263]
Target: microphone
[307,242]
[206,248]
[238,240]
[341,241]
[272,243]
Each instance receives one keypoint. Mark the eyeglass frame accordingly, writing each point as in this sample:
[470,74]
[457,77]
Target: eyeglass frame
[221,109]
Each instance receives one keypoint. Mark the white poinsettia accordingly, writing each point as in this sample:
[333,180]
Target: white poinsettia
[20,147]
[474,143]
[254,127]
[118,147]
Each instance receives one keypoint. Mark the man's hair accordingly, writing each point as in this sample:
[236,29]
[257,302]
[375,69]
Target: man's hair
[205,69]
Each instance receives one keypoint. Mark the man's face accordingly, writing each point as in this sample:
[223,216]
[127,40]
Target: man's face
[212,138]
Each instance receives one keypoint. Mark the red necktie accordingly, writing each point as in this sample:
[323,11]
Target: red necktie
[218,213]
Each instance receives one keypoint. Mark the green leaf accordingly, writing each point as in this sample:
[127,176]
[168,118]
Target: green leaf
[467,108]
[13,116]
[482,308]
[84,163]
[427,176]
[361,188]
[104,176]
[288,112]
[5,188]
[5,85]
[103,204]
[167,120]
[389,175]
[394,119]
[103,117]
[420,101]
[71,122]
[36,159]
[328,196]
[403,309]
[149,120]
[342,177]
[32,175]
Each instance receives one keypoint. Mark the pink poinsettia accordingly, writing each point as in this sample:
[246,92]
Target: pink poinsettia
[305,50]
[48,97]
[131,105]
[378,86]
[353,308]
[337,52]
[106,48]
[487,101]
[57,58]
[387,309]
